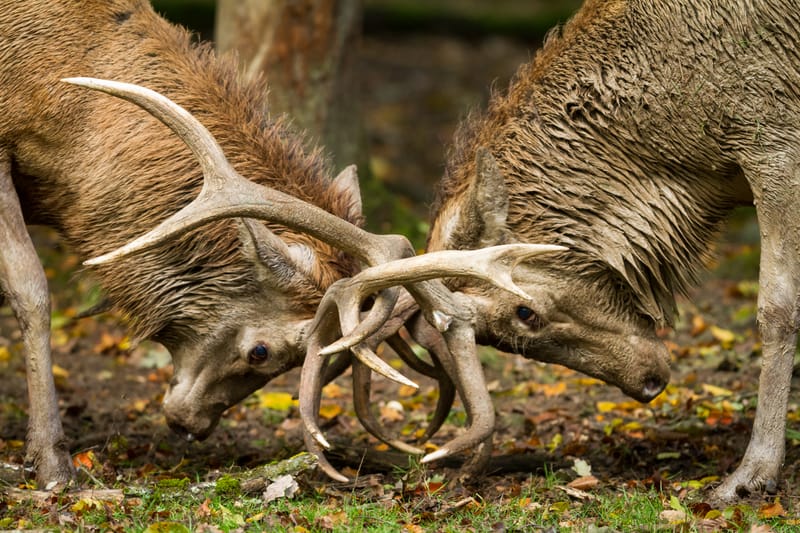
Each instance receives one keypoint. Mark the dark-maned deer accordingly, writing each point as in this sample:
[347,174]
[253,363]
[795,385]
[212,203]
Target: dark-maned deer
[627,139]
[233,301]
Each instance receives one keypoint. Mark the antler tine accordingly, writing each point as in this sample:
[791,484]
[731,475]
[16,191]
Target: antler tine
[361,390]
[450,312]
[461,363]
[493,264]
[447,389]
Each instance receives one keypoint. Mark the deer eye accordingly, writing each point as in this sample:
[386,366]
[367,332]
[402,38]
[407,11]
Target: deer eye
[529,317]
[258,354]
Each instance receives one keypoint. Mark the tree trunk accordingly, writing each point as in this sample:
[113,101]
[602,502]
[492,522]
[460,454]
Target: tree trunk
[307,50]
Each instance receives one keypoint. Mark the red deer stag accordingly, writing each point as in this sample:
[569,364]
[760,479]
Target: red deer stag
[627,139]
[234,301]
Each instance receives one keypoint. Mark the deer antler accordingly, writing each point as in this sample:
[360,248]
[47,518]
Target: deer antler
[226,194]
[453,314]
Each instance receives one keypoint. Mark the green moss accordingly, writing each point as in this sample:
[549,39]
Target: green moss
[227,485]
[173,484]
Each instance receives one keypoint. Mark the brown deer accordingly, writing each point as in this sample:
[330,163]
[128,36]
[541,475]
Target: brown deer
[233,301]
[627,139]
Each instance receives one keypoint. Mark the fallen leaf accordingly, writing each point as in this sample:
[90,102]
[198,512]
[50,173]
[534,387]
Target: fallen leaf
[771,510]
[392,412]
[85,504]
[332,390]
[584,483]
[166,527]
[673,516]
[582,468]
[406,391]
[554,389]
[60,372]
[331,522]
[699,325]
[724,336]
[713,390]
[277,401]
[282,487]
[84,459]
[329,411]
[606,407]
[204,510]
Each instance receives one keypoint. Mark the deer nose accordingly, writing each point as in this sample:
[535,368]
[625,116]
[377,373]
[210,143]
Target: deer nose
[653,385]
[180,430]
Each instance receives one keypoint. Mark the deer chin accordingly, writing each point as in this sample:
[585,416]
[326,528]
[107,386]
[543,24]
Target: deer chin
[189,419]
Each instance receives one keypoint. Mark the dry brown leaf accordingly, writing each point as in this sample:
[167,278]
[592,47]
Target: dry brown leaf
[771,510]
[699,325]
[584,483]
[672,516]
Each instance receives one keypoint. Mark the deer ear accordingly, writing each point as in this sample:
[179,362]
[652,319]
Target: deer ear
[346,187]
[489,198]
[479,220]
[277,263]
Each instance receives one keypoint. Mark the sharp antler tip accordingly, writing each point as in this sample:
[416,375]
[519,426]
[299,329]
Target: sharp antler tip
[435,456]
[322,441]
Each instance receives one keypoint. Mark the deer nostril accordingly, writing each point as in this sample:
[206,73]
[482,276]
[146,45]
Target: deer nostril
[180,430]
[653,385]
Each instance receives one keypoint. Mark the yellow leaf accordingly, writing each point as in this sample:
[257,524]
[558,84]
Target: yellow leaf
[405,391]
[713,390]
[140,405]
[555,442]
[330,411]
[85,504]
[726,337]
[554,389]
[332,390]
[166,527]
[58,338]
[606,407]
[277,401]
[5,355]
[59,372]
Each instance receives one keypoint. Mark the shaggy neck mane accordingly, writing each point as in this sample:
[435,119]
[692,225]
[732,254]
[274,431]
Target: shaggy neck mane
[582,172]
[143,173]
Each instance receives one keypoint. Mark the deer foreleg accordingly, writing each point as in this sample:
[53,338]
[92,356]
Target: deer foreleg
[778,304]
[25,286]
